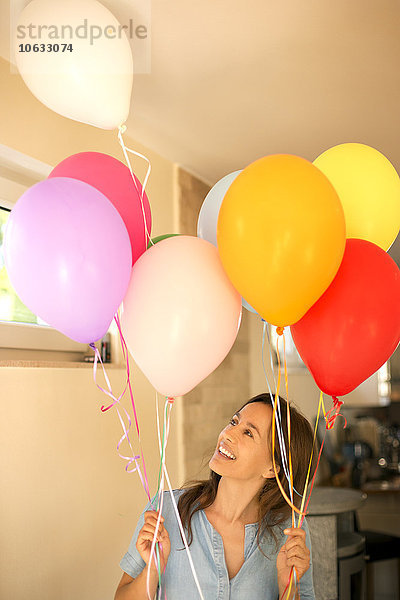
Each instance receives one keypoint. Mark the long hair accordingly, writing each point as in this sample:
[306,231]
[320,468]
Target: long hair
[272,507]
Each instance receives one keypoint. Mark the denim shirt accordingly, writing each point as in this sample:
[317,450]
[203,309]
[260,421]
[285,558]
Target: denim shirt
[257,578]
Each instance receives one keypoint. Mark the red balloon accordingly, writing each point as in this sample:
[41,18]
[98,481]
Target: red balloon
[111,177]
[354,327]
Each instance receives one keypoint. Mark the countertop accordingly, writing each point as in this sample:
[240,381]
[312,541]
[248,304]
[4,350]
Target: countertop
[381,486]
[334,500]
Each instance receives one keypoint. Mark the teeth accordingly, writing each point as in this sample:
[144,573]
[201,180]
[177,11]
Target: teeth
[226,452]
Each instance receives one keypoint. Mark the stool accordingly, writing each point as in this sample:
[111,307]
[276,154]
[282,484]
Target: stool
[351,566]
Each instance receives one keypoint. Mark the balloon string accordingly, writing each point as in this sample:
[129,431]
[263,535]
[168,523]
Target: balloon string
[126,428]
[159,494]
[288,427]
[293,580]
[330,418]
[125,150]
[126,356]
[278,411]
[302,507]
[182,530]
[288,500]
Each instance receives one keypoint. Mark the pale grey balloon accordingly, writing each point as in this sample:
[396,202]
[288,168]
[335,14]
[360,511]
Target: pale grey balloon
[208,216]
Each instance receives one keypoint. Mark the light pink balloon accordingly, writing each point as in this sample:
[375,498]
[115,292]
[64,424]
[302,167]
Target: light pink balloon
[68,255]
[181,314]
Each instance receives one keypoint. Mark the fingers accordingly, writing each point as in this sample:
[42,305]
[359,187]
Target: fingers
[147,533]
[150,525]
[298,553]
[296,544]
[295,532]
[150,515]
[151,520]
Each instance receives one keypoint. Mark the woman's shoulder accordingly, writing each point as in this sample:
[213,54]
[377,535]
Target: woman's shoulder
[167,499]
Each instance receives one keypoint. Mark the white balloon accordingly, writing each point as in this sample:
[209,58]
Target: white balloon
[91,83]
[208,216]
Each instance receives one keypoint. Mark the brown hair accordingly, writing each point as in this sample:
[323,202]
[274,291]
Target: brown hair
[273,508]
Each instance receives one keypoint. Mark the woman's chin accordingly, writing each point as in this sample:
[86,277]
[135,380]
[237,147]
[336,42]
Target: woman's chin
[216,464]
[213,464]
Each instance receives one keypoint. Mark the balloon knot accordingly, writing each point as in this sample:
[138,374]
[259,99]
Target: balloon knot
[122,128]
[170,400]
[279,330]
[334,413]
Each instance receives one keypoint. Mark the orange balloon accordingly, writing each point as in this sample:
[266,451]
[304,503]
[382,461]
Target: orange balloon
[281,236]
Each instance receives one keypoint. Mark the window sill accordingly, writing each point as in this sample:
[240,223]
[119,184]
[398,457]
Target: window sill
[47,364]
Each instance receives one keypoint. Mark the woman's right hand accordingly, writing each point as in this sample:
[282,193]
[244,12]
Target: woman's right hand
[146,535]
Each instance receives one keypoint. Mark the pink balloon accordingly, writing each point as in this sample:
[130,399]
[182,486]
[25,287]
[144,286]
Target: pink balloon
[181,314]
[68,256]
[111,177]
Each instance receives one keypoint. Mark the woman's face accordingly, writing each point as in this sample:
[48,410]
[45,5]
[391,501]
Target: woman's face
[246,438]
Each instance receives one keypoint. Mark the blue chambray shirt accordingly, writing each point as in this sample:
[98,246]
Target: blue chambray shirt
[257,578]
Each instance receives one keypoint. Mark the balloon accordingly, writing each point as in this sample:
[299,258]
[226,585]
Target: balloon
[181,314]
[247,306]
[281,236]
[68,256]
[354,327]
[208,216]
[369,189]
[111,177]
[88,74]
[159,238]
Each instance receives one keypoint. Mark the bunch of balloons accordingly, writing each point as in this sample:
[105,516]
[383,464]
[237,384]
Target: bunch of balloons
[305,245]
[74,243]
[302,244]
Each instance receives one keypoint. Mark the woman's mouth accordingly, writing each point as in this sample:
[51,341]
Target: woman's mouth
[223,453]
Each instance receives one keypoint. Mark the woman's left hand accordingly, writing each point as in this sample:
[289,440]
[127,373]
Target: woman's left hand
[294,553]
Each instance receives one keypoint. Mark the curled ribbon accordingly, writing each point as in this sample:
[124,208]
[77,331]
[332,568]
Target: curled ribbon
[334,413]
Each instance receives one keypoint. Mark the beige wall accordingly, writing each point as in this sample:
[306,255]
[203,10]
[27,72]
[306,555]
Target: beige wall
[67,507]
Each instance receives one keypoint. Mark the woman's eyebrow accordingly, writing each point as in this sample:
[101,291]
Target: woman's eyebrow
[247,423]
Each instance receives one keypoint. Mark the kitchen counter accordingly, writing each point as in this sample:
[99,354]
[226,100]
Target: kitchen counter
[382,486]
[332,501]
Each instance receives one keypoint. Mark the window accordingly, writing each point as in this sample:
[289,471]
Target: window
[23,335]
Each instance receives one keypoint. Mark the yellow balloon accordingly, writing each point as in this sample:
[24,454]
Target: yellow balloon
[281,236]
[369,189]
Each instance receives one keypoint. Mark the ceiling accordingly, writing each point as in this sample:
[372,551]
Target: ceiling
[231,82]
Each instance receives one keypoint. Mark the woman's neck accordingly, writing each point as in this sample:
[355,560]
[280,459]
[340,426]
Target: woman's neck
[236,501]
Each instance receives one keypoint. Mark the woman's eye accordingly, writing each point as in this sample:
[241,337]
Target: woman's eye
[247,431]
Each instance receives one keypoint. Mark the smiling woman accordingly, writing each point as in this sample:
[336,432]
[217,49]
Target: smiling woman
[237,522]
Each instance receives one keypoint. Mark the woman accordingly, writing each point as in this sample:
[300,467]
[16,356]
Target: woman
[237,522]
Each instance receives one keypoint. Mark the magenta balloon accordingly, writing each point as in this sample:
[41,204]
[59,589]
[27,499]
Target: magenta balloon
[68,256]
[111,177]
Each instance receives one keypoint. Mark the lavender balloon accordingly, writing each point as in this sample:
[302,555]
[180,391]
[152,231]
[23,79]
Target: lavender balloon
[68,256]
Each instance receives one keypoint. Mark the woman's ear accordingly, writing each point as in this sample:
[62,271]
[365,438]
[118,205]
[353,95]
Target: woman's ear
[269,473]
